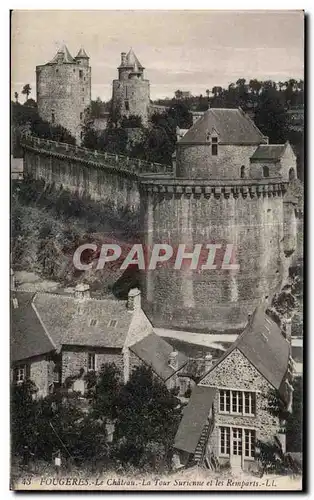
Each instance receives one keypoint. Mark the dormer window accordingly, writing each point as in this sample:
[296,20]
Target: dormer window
[113,323]
[265,171]
[214,146]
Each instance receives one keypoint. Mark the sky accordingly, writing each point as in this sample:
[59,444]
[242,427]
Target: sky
[186,50]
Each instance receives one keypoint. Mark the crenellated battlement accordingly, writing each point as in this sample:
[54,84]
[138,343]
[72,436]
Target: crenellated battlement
[119,163]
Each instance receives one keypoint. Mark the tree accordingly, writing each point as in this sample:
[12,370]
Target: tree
[271,118]
[148,416]
[103,392]
[30,102]
[178,94]
[23,411]
[16,97]
[207,93]
[26,90]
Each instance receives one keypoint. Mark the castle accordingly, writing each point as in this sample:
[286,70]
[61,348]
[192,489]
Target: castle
[64,90]
[227,187]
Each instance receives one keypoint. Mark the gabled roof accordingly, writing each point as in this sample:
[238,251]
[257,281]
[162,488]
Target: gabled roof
[131,61]
[85,322]
[63,56]
[232,126]
[155,352]
[269,152]
[81,54]
[263,344]
[28,337]
[194,418]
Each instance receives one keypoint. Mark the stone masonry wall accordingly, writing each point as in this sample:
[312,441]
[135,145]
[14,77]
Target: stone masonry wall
[136,93]
[186,213]
[236,372]
[74,358]
[39,374]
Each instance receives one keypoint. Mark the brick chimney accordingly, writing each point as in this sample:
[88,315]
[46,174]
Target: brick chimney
[173,360]
[82,291]
[287,329]
[134,299]
[123,57]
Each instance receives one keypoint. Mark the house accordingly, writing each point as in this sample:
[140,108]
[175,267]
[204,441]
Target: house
[228,410]
[56,339]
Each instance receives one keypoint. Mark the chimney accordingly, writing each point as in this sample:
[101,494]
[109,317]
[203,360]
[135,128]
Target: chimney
[287,329]
[208,361]
[134,299]
[123,57]
[173,360]
[82,291]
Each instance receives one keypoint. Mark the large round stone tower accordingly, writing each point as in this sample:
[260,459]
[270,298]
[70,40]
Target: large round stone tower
[130,93]
[64,90]
[227,190]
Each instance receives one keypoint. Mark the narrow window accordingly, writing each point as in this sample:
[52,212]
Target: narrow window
[249,443]
[242,172]
[127,107]
[81,73]
[265,171]
[73,70]
[83,89]
[93,322]
[236,441]
[214,146]
[224,440]
[57,71]
[82,99]
[81,115]
[20,374]
[52,117]
[291,174]
[81,135]
[91,362]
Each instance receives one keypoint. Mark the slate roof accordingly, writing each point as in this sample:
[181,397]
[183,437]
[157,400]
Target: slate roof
[155,352]
[269,152]
[131,61]
[28,337]
[233,126]
[263,344]
[62,56]
[81,54]
[194,418]
[86,322]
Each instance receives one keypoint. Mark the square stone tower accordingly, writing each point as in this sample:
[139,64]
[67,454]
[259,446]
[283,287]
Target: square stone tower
[64,90]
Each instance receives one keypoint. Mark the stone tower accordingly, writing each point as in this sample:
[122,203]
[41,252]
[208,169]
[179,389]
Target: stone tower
[227,189]
[130,93]
[64,90]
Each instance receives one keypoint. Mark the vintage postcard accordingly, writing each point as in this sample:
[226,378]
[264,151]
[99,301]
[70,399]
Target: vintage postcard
[157,167]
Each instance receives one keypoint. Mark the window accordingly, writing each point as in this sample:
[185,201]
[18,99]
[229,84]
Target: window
[127,107]
[265,171]
[249,443]
[224,440]
[82,99]
[291,174]
[113,323]
[236,440]
[52,117]
[91,365]
[57,71]
[73,70]
[214,146]
[81,135]
[93,322]
[81,73]
[83,89]
[20,374]
[242,172]
[81,116]
[237,402]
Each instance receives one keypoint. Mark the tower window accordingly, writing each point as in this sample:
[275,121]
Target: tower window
[265,171]
[73,70]
[82,99]
[81,73]
[127,107]
[57,71]
[214,146]
[52,118]
[242,172]
[81,115]
[83,89]
[291,174]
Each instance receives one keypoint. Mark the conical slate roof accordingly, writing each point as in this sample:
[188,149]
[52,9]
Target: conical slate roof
[62,56]
[131,61]
[81,54]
